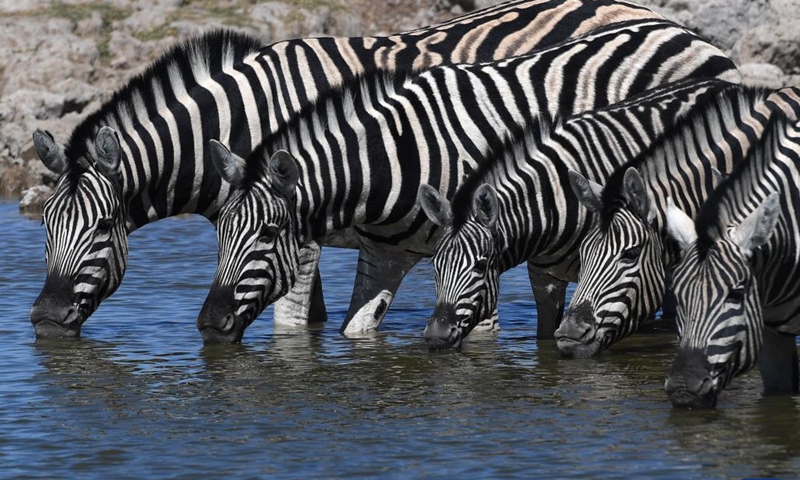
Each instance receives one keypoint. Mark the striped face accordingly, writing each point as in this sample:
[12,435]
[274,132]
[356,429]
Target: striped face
[466,264]
[621,284]
[86,252]
[467,275]
[258,246]
[719,317]
[87,243]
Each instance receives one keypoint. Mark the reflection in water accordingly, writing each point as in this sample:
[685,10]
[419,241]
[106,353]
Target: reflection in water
[139,396]
[762,435]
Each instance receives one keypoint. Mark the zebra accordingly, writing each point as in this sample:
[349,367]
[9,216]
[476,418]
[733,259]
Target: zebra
[357,159]
[519,206]
[231,87]
[625,255]
[738,275]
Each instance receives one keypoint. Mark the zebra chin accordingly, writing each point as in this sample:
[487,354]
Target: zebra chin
[689,383]
[217,322]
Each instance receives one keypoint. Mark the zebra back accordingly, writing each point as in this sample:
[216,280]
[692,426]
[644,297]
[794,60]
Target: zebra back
[361,152]
[229,87]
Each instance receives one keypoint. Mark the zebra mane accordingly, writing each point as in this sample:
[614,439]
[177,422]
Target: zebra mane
[674,139]
[719,210]
[500,155]
[208,49]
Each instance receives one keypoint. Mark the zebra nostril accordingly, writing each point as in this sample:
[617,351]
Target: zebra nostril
[71,316]
[705,386]
[586,332]
[228,323]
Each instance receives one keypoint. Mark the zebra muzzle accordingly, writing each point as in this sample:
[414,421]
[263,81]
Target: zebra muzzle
[53,314]
[577,334]
[217,323]
[442,330]
[689,383]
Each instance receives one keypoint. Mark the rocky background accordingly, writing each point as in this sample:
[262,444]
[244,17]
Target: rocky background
[60,59]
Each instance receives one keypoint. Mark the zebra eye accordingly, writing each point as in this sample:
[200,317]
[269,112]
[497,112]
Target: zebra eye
[268,233]
[480,267]
[631,254]
[104,224]
[736,295]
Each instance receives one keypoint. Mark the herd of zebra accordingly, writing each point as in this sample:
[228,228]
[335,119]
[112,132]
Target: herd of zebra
[592,139]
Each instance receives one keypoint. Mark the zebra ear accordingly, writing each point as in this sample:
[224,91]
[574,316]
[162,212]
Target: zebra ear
[230,166]
[679,226]
[50,152]
[284,173]
[589,193]
[638,198]
[484,204]
[435,206]
[106,146]
[756,229]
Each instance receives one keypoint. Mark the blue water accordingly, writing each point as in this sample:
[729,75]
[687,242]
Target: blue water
[139,396]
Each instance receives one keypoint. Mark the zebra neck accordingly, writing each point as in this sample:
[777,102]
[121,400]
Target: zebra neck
[772,166]
[682,165]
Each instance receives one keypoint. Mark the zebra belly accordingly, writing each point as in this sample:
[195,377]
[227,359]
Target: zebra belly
[784,318]
[419,241]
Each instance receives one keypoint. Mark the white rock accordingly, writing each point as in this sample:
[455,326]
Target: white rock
[33,199]
[762,75]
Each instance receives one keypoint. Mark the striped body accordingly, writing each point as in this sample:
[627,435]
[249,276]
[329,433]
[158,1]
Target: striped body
[230,87]
[537,216]
[625,256]
[739,274]
[362,153]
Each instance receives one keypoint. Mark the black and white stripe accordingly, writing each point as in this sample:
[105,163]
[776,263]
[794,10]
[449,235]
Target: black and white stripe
[625,256]
[739,275]
[519,206]
[361,154]
[229,86]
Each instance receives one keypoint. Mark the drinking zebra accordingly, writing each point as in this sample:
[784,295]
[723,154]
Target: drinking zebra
[625,255]
[154,162]
[519,206]
[358,158]
[739,274]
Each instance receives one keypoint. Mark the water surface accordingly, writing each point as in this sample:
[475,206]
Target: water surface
[139,397]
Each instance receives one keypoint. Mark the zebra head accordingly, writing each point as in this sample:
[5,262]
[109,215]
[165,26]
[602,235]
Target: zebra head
[719,314]
[465,264]
[621,278]
[258,243]
[87,244]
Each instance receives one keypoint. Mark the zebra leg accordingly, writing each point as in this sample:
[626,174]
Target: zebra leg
[669,305]
[550,294]
[303,304]
[378,276]
[777,363]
